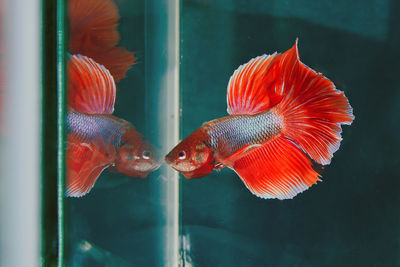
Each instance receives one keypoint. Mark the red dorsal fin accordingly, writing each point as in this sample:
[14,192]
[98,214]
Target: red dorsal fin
[93,32]
[84,165]
[91,88]
[312,108]
[252,86]
[276,169]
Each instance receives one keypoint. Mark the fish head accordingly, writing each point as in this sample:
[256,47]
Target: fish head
[193,157]
[136,157]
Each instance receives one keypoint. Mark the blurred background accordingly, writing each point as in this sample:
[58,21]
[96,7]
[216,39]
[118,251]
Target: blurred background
[187,50]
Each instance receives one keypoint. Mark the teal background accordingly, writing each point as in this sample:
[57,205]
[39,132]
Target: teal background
[349,219]
[118,223]
[352,217]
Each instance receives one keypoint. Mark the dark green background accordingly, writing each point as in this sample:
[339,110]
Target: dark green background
[352,218]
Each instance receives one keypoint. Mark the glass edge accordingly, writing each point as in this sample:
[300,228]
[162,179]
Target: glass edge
[61,132]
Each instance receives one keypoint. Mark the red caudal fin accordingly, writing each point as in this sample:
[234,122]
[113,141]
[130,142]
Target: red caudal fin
[117,60]
[276,169]
[312,108]
[93,32]
[91,88]
[84,165]
[93,24]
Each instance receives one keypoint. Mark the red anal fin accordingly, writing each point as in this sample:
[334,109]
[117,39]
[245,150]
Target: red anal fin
[84,165]
[277,169]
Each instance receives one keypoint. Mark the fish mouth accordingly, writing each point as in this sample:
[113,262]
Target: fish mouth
[188,174]
[171,162]
[167,160]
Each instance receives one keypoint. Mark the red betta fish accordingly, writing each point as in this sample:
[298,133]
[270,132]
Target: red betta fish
[282,115]
[97,139]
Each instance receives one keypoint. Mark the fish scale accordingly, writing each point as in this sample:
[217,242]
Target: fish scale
[240,130]
[91,128]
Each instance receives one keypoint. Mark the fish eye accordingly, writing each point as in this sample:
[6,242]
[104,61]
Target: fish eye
[146,154]
[182,154]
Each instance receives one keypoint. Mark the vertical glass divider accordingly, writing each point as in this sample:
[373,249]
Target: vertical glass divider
[171,119]
[162,99]
[61,85]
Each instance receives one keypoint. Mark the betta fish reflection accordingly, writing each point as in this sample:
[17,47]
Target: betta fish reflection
[96,138]
[282,116]
[93,33]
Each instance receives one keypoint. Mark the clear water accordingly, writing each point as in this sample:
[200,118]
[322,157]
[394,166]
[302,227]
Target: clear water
[122,221]
[350,219]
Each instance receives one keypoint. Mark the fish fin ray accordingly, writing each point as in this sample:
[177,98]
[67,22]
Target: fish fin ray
[251,88]
[84,166]
[91,87]
[312,108]
[117,60]
[93,32]
[277,169]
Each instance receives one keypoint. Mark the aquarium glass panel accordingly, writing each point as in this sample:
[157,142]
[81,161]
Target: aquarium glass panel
[130,216]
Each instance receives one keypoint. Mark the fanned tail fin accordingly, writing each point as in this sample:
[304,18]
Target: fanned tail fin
[312,108]
[93,33]
[117,60]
